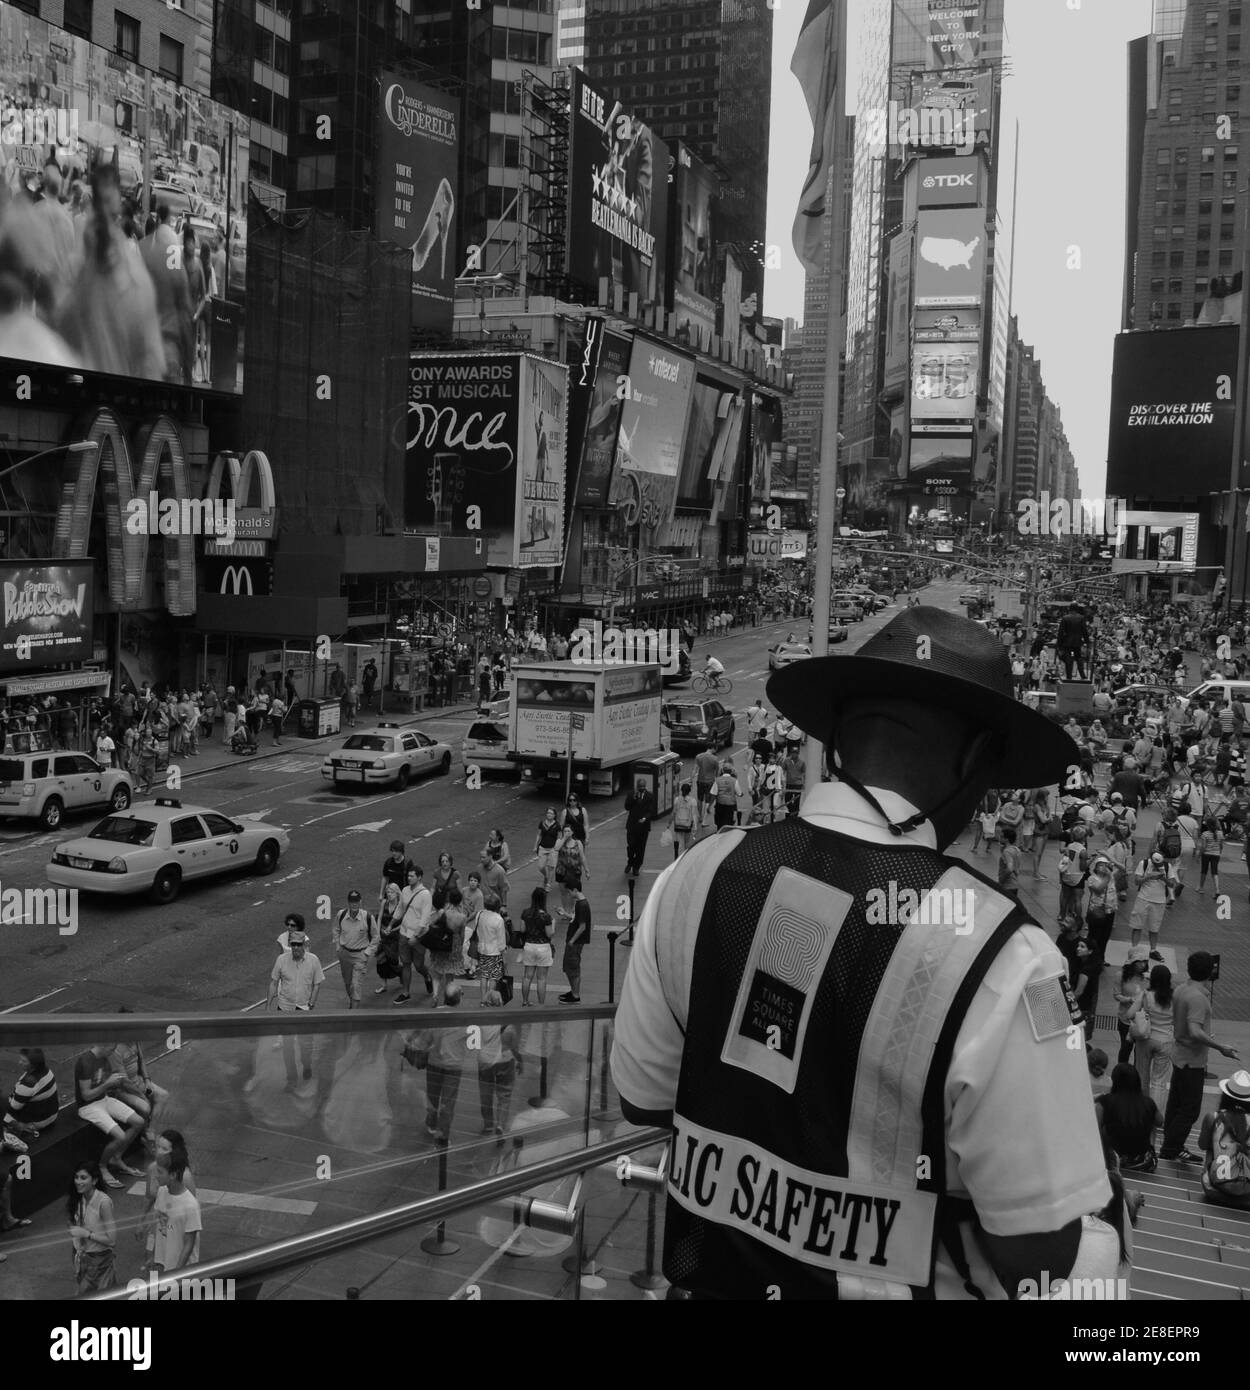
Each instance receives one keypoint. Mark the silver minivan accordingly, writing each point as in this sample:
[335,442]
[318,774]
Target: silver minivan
[47,786]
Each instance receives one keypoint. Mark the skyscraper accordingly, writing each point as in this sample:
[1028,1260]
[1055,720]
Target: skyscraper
[698,71]
[1185,94]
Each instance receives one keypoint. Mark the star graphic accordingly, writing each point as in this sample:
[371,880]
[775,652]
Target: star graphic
[633,208]
[597,179]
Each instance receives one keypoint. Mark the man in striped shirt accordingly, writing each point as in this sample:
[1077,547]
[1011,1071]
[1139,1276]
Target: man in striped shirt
[34,1103]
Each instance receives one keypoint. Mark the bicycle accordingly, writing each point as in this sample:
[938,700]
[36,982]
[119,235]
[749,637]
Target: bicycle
[713,685]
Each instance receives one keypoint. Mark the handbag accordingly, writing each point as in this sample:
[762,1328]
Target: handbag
[666,839]
[504,986]
[438,938]
[1139,1025]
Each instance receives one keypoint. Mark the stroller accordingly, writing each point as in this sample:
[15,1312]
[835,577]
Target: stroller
[242,741]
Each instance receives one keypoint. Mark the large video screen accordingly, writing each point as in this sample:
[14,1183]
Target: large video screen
[48,614]
[123,200]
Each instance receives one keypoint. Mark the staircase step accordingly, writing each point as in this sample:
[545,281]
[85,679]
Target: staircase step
[1153,1280]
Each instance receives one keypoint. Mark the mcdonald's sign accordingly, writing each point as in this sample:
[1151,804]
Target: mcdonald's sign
[237,577]
[163,468]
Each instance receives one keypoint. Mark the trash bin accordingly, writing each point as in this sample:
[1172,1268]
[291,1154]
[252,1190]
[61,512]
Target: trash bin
[319,717]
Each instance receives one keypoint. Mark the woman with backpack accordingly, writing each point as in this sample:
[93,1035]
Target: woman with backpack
[684,821]
[1127,1120]
[1225,1140]
[1153,1053]
[1130,995]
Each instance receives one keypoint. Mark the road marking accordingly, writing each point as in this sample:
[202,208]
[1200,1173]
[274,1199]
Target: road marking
[298,873]
[36,1000]
[256,815]
[428,833]
[373,826]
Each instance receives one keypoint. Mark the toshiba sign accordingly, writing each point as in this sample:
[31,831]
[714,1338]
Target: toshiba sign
[949,182]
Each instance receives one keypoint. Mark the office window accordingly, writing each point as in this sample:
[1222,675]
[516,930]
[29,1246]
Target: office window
[264,45]
[1228,206]
[1201,286]
[1227,232]
[1182,157]
[1203,258]
[1174,312]
[1156,285]
[262,104]
[1234,43]
[1161,207]
[1178,208]
[1176,285]
[1226,259]
[1206,182]
[281,112]
[1208,154]
[1158,259]
[1204,207]
[125,36]
[170,59]
[281,56]
[1176,97]
[1163,157]
[1230,154]
[78,17]
[1232,92]
[1213,19]
[1178,231]
[1176,259]
[1204,233]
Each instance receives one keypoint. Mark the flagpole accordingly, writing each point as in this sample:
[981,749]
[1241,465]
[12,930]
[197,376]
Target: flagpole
[822,568]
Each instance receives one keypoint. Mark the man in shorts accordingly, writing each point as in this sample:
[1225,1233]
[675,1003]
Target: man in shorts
[707,768]
[96,1084]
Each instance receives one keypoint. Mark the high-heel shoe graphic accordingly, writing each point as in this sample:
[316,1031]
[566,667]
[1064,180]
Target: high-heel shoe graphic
[437,224]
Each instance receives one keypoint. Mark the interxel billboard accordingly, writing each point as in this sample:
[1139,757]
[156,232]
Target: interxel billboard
[618,197]
[950,182]
[90,144]
[944,384]
[417,160]
[950,258]
[1171,425]
[1156,543]
[695,190]
[47,615]
[539,524]
[652,433]
[603,421]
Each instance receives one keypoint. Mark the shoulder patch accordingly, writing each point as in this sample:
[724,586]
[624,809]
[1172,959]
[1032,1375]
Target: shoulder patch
[1052,1008]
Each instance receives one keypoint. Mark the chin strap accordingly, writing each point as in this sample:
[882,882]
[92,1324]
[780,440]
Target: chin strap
[897,828]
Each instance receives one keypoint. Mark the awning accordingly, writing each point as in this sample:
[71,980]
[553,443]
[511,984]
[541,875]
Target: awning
[56,680]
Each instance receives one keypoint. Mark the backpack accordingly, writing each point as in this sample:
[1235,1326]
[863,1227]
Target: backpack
[1228,1170]
[1170,840]
[1071,817]
[1071,867]
[683,819]
[725,793]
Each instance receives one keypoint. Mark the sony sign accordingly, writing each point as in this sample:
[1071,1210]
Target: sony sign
[948,182]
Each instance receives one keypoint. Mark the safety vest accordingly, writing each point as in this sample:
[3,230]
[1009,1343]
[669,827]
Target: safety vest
[820,1008]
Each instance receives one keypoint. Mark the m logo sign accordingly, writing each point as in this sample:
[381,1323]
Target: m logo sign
[238,578]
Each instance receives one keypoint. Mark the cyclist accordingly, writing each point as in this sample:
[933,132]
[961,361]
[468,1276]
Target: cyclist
[713,670]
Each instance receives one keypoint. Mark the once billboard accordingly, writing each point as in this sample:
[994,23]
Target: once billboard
[48,615]
[618,197]
[950,258]
[417,161]
[96,114]
[1171,434]
[652,433]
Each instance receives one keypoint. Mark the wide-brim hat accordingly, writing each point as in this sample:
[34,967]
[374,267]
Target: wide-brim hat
[938,657]
[1237,1087]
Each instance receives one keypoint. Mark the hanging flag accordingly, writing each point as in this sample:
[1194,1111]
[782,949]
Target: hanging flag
[815,64]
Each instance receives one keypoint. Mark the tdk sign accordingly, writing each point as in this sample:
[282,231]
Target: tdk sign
[949,182]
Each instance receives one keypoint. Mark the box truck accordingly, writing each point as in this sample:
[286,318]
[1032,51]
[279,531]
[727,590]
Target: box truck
[608,713]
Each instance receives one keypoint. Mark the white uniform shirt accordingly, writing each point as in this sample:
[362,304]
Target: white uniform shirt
[1021,1135]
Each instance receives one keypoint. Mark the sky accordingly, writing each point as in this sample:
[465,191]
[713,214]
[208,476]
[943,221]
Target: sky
[1067,89]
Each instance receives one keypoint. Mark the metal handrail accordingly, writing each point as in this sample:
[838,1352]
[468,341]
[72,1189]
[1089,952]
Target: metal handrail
[265,1261]
[45,1030]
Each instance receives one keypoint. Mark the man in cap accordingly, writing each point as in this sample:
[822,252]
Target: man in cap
[294,983]
[867,1052]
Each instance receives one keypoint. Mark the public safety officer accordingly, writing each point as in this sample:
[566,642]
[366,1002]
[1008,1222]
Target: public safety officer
[872,1068]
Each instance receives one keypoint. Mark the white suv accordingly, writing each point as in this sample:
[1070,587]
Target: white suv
[46,786]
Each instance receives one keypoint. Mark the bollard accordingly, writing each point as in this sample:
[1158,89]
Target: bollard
[438,1244]
[613,938]
[632,882]
[603,1112]
[647,1277]
[541,1099]
[353,1294]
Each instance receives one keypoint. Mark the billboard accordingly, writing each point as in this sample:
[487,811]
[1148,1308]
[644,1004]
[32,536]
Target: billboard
[898,311]
[950,258]
[602,422]
[47,615]
[1171,434]
[486,453]
[944,385]
[947,326]
[695,189]
[765,443]
[417,161]
[940,461]
[652,432]
[1156,543]
[950,182]
[90,112]
[956,33]
[952,112]
[540,498]
[618,197]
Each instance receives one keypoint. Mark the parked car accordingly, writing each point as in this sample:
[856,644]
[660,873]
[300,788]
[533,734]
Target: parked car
[47,786]
[846,610]
[697,724]
[386,755]
[787,653]
[153,849]
[486,746]
[1217,693]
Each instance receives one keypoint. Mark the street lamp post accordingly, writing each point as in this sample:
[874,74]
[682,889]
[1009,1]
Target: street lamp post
[82,446]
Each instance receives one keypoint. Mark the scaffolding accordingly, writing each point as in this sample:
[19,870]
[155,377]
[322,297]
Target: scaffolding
[542,217]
